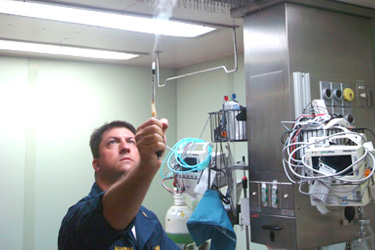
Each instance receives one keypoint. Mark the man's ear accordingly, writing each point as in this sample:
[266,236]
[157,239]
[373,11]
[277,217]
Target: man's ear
[95,164]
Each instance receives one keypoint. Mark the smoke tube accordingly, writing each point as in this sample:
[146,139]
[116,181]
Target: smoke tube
[153,107]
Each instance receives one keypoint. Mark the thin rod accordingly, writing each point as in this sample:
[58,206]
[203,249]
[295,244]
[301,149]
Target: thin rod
[211,69]
[153,86]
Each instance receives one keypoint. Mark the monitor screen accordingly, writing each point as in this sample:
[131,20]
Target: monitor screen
[191,161]
[338,163]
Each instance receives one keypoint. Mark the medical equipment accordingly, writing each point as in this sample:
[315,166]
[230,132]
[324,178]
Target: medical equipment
[342,176]
[334,163]
[229,123]
[186,161]
[187,155]
[194,167]
[198,169]
[287,60]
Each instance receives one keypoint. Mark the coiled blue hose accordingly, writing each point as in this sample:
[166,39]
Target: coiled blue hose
[179,152]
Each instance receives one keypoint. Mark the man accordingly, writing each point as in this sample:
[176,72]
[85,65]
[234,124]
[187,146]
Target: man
[111,216]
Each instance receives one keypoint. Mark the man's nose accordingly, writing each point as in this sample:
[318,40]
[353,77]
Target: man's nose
[124,147]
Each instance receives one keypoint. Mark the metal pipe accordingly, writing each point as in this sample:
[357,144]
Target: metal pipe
[211,69]
[247,189]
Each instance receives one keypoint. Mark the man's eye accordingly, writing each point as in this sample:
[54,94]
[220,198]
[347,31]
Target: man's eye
[112,142]
[132,142]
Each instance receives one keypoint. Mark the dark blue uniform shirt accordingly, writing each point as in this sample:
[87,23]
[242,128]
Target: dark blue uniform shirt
[84,227]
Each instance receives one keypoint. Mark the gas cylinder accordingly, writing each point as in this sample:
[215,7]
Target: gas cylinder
[176,218]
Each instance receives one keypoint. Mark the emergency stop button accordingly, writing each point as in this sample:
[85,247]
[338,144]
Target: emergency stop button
[348,94]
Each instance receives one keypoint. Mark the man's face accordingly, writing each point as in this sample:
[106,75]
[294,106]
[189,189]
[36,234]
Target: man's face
[118,154]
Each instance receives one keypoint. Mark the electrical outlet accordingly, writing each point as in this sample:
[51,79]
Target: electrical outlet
[361,94]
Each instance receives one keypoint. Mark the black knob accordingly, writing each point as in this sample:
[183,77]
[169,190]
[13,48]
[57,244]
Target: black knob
[349,213]
[338,94]
[327,93]
[349,118]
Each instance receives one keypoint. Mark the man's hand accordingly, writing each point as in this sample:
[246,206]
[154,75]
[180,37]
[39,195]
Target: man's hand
[150,139]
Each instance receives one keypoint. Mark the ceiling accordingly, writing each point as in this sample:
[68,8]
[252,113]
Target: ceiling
[175,52]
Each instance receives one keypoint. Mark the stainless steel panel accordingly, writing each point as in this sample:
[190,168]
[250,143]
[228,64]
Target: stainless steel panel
[283,237]
[254,195]
[255,6]
[266,111]
[265,39]
[287,197]
[267,78]
[370,98]
[315,229]
[331,47]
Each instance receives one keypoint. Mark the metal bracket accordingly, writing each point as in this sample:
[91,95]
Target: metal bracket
[205,70]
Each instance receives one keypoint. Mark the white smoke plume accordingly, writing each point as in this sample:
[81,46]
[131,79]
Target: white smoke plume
[163,9]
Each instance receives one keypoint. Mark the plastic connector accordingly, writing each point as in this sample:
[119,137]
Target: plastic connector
[244,182]
[274,194]
[368,145]
[264,195]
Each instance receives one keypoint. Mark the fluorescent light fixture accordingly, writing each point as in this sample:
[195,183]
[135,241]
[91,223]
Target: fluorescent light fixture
[64,50]
[102,19]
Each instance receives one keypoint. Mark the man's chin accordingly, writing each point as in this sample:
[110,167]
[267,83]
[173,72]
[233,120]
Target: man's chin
[126,168]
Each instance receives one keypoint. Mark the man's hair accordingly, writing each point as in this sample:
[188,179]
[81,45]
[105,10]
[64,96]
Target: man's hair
[96,136]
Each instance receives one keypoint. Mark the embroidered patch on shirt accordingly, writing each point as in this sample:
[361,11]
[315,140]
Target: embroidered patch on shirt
[124,248]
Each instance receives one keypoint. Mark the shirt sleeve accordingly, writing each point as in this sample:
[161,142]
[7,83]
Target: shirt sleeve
[84,227]
[167,242]
[160,238]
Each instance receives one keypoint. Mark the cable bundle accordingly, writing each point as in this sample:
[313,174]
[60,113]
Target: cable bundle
[177,165]
[316,122]
[175,160]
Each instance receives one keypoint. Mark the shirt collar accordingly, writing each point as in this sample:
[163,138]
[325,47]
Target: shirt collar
[95,190]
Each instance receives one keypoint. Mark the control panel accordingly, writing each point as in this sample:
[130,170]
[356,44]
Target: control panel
[272,197]
[341,97]
[338,98]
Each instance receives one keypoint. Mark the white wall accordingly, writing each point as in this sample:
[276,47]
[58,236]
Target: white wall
[48,111]
[13,83]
